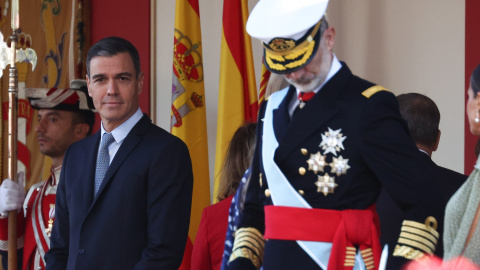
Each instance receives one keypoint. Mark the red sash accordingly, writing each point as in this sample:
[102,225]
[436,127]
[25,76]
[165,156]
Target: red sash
[344,229]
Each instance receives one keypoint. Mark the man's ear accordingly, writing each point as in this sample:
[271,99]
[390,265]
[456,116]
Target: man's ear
[81,131]
[329,37]
[140,82]
[88,85]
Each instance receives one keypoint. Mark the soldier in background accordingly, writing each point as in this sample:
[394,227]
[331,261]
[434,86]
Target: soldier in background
[64,116]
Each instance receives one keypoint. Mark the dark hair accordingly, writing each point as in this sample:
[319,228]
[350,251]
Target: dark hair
[475,81]
[111,46]
[237,160]
[323,26]
[84,117]
[422,116]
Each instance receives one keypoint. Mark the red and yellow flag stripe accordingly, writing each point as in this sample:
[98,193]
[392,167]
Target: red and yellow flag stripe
[188,117]
[237,93]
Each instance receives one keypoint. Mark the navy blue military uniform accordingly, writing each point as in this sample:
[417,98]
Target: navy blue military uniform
[374,139]
[391,216]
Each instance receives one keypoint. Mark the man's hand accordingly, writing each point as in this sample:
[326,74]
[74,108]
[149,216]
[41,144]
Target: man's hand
[12,195]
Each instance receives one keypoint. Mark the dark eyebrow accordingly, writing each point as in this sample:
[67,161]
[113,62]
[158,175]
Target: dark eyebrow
[121,74]
[52,113]
[97,76]
[124,74]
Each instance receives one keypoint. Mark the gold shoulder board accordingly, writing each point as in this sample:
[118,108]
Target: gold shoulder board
[374,89]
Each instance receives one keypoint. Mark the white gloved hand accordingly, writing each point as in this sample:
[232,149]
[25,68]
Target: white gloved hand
[12,194]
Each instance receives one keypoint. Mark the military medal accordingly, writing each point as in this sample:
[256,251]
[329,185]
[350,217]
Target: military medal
[304,97]
[332,141]
[326,184]
[339,166]
[51,216]
[316,162]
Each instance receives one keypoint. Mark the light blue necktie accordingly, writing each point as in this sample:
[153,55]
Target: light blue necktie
[103,161]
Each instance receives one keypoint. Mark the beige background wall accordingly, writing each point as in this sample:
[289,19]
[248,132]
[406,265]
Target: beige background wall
[406,46]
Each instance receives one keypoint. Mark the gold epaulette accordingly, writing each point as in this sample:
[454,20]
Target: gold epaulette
[374,89]
[249,244]
[416,239]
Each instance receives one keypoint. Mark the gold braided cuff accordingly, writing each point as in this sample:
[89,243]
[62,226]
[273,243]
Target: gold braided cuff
[416,239]
[249,243]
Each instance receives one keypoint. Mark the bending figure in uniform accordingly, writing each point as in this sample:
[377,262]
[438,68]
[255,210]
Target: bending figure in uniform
[326,145]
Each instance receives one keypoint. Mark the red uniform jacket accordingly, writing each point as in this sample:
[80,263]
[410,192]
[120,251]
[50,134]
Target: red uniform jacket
[208,247]
[39,209]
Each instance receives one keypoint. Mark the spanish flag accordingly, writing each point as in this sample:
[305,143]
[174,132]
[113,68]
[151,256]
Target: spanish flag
[188,117]
[263,84]
[237,97]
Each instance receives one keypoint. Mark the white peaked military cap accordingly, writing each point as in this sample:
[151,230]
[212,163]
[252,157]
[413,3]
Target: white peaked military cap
[289,31]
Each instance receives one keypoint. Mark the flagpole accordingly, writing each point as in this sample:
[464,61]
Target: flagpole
[12,134]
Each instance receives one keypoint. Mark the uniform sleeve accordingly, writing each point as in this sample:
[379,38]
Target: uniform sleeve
[391,154]
[247,251]
[201,250]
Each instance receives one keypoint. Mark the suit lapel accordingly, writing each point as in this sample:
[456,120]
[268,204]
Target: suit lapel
[314,116]
[131,141]
[92,156]
[281,117]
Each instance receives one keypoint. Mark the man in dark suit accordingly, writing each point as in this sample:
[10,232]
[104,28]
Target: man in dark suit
[124,204]
[423,119]
[319,169]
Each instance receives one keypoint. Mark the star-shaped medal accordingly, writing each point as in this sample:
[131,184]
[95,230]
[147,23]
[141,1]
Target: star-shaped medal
[339,166]
[332,141]
[316,162]
[326,184]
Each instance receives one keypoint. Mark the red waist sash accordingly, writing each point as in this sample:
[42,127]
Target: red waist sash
[344,229]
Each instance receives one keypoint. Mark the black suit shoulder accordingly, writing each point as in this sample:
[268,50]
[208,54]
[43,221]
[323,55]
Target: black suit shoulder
[450,181]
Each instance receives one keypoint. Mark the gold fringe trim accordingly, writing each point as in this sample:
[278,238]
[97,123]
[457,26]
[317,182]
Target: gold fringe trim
[367,256]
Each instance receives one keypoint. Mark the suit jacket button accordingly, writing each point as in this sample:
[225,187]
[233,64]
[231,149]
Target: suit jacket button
[81,251]
[267,192]
[301,171]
